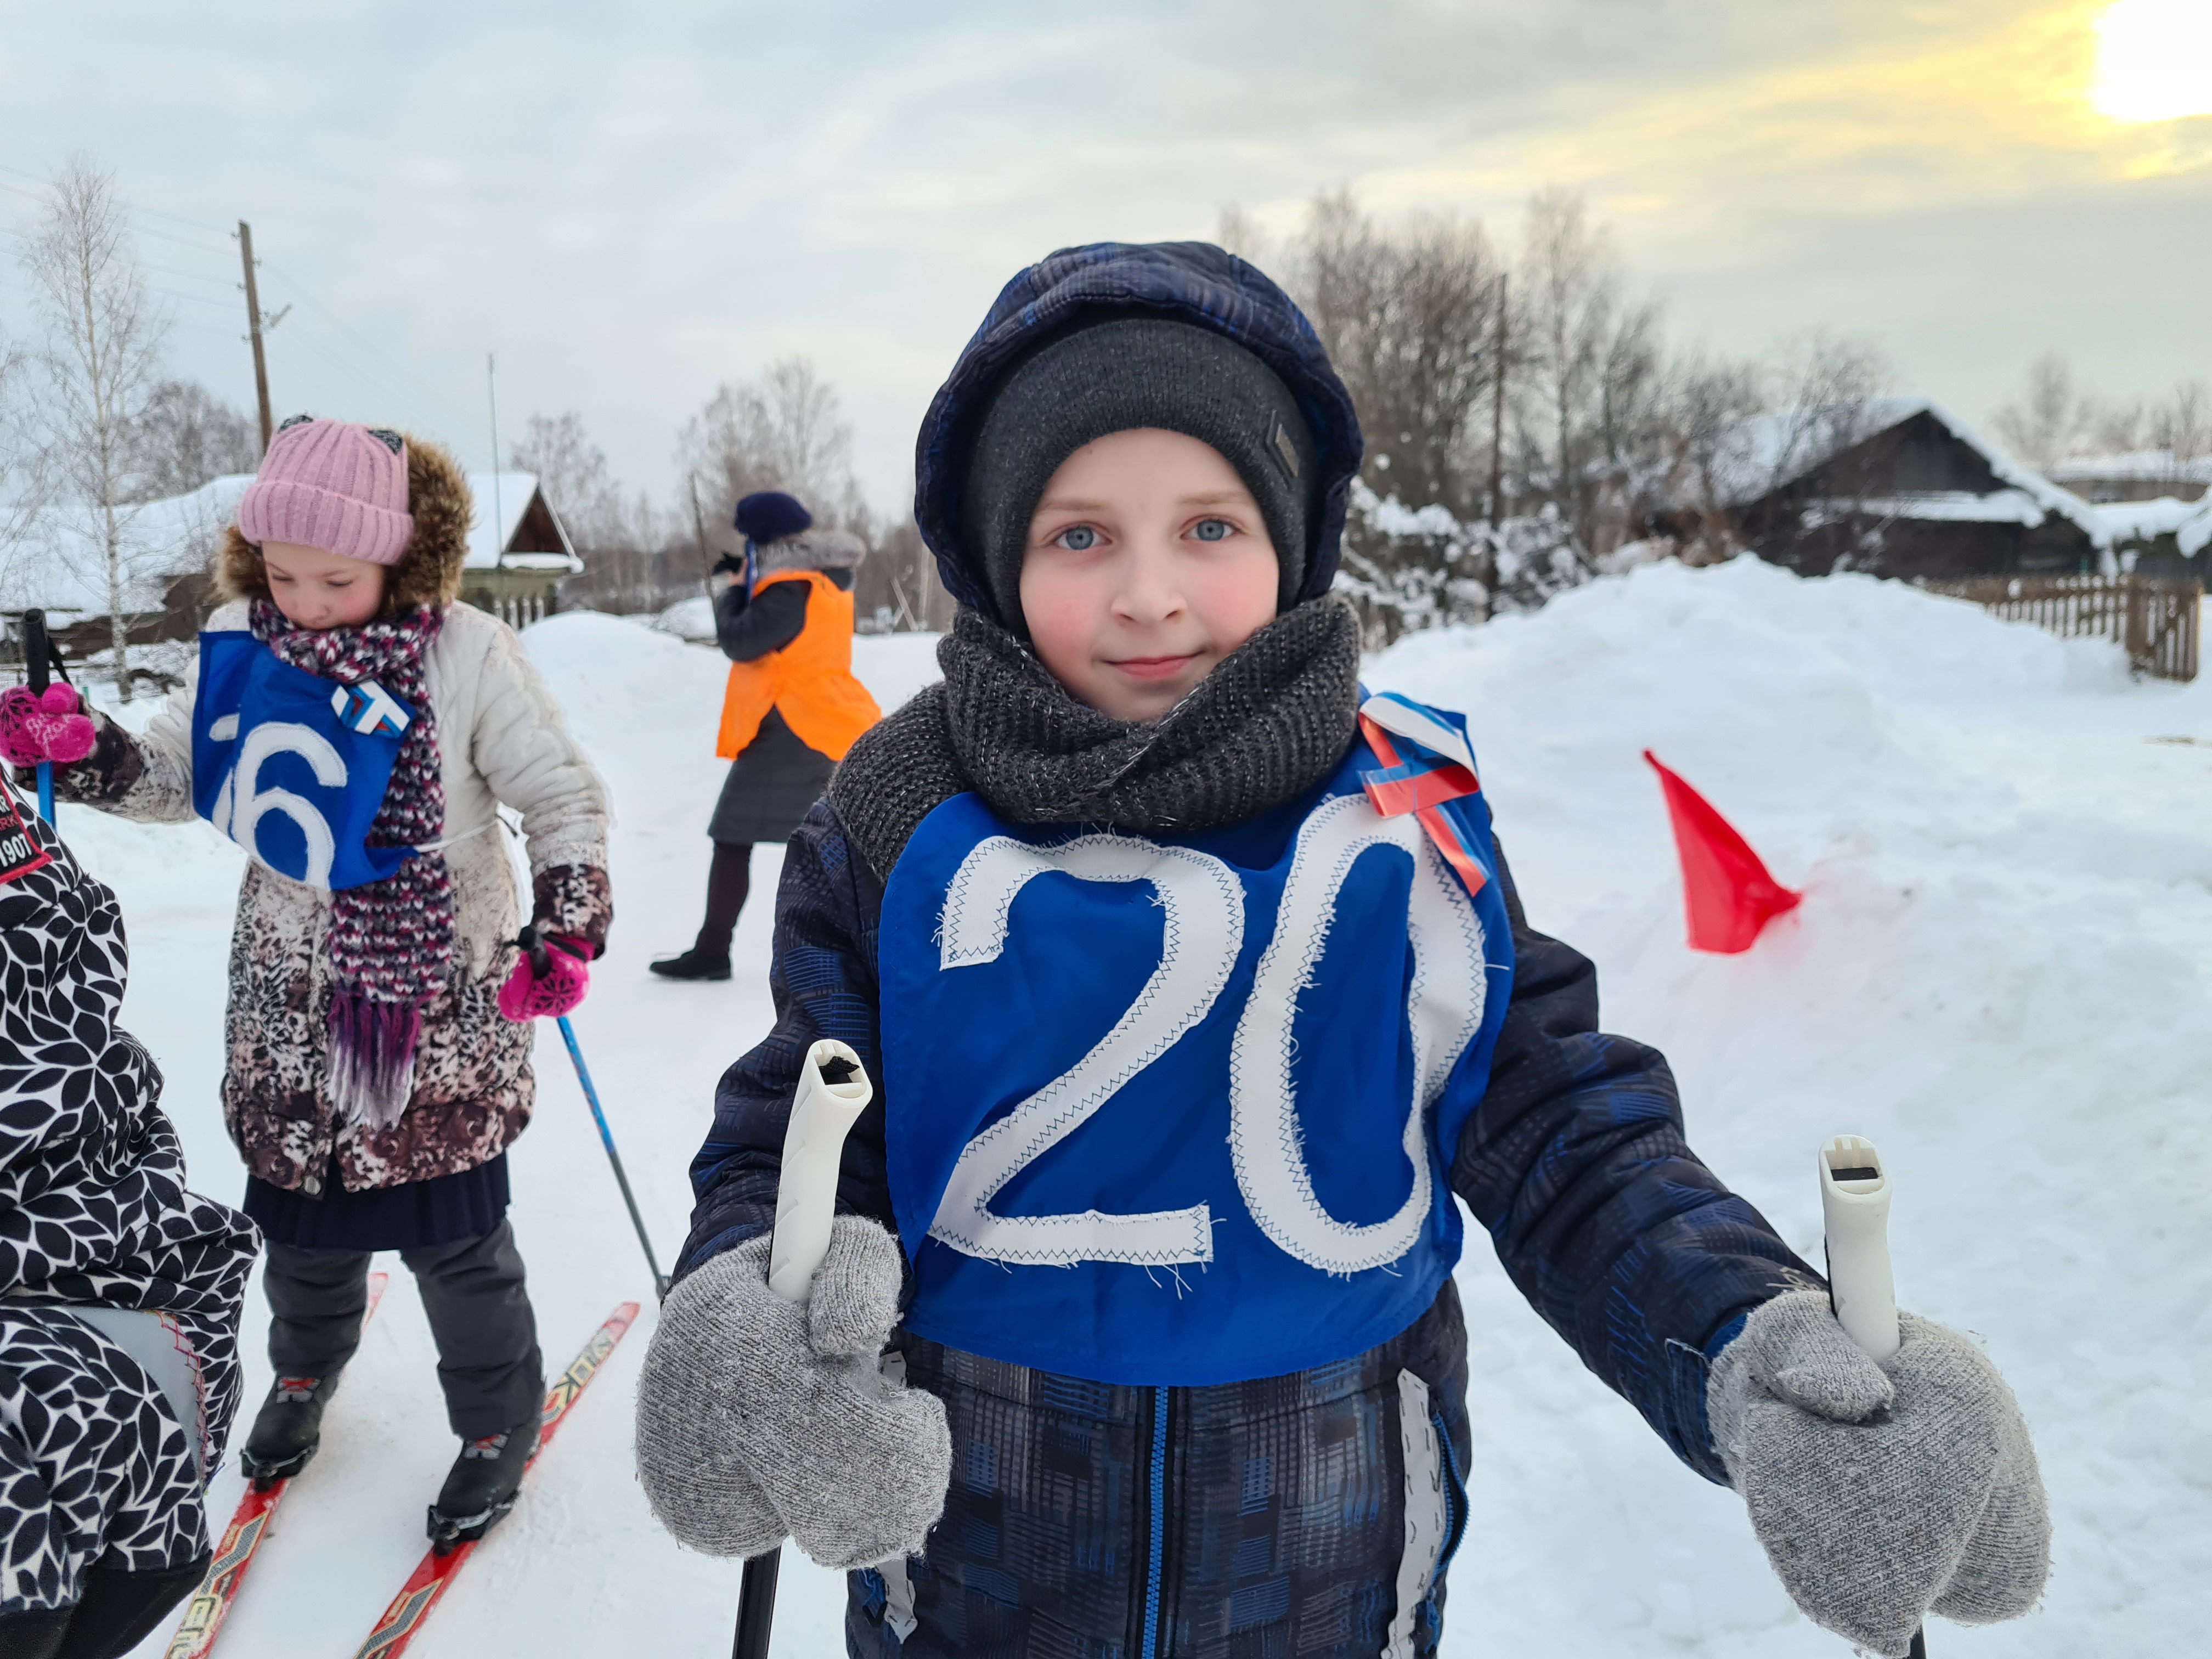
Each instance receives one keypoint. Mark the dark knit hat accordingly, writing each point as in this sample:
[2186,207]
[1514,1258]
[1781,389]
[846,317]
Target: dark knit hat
[769,515]
[1117,376]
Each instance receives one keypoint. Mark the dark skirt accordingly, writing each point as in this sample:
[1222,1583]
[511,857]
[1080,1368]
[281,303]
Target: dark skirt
[772,782]
[442,1210]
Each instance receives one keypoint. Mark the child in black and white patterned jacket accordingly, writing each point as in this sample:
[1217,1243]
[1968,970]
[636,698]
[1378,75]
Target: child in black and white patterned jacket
[119,1288]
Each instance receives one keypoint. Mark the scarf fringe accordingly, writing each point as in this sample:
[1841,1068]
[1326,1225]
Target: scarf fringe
[372,1057]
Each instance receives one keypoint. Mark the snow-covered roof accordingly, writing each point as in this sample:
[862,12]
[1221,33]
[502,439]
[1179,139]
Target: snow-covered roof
[1764,453]
[502,499]
[62,567]
[1939,506]
[2194,533]
[2144,522]
[2145,465]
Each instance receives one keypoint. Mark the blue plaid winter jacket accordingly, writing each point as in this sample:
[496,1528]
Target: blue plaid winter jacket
[1286,1491]
[1117,1521]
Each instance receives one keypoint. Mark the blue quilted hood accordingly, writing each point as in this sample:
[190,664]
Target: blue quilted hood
[1185,282]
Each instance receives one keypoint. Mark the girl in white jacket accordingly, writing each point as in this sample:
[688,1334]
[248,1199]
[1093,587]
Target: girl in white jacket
[354,729]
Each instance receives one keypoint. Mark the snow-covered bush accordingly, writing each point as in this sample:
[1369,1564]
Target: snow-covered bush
[1409,568]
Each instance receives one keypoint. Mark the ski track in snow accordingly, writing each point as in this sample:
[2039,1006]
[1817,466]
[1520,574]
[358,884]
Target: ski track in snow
[1998,975]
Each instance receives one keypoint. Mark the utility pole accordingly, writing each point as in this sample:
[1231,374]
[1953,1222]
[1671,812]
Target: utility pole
[1497,454]
[253,324]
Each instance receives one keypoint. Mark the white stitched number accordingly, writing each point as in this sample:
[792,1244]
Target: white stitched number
[1202,935]
[241,803]
[1444,1007]
[1204,929]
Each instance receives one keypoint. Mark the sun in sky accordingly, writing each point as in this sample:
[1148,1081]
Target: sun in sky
[2153,60]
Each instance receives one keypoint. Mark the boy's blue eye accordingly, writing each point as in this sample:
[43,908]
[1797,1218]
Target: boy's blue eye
[1076,539]
[1213,529]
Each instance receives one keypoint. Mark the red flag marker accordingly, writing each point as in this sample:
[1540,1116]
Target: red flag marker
[1725,888]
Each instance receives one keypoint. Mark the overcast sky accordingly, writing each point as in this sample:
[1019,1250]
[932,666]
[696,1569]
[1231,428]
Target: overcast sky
[631,203]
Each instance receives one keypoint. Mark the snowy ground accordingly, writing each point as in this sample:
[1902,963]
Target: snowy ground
[1998,975]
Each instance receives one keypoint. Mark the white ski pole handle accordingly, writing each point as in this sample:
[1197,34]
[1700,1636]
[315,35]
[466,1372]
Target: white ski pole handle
[834,1090]
[1855,1208]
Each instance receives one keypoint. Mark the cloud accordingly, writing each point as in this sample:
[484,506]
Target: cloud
[633,204]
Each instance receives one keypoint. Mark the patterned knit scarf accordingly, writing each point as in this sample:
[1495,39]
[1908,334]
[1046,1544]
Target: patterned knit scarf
[1274,718]
[390,942]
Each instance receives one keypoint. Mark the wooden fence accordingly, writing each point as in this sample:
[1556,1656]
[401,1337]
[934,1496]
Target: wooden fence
[2155,617]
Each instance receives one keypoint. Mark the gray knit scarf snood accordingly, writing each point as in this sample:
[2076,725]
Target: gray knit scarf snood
[1272,720]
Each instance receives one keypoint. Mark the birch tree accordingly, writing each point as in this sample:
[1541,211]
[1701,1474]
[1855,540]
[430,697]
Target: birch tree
[102,362]
[22,482]
[786,430]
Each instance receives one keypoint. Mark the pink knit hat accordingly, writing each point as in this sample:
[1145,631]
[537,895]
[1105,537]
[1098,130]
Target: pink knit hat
[333,485]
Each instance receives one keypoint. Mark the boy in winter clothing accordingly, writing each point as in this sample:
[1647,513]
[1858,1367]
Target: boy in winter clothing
[355,730]
[1194,985]
[784,618]
[119,1290]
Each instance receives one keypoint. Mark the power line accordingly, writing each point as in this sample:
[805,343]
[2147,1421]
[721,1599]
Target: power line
[325,350]
[363,343]
[204,299]
[168,271]
[159,213]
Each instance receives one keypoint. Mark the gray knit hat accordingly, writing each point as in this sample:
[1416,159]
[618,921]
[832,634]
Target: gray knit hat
[1118,376]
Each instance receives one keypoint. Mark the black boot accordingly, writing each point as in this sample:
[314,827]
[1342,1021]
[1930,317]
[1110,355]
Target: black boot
[692,966]
[288,1429]
[481,1487]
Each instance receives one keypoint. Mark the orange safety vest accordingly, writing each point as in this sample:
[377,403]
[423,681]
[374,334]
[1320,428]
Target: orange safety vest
[809,681]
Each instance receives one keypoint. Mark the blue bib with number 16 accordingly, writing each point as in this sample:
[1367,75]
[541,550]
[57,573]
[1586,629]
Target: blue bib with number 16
[1181,1111]
[291,766]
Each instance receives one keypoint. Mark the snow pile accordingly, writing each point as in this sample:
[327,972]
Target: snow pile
[689,619]
[1998,974]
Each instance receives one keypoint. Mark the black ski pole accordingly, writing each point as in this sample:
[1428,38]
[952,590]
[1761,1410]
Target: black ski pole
[538,962]
[37,654]
[833,1090]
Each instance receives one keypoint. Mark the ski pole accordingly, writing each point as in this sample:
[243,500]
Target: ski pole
[37,650]
[538,962]
[1855,1215]
[834,1090]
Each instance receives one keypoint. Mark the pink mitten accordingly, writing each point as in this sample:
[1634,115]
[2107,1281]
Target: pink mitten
[527,996]
[35,729]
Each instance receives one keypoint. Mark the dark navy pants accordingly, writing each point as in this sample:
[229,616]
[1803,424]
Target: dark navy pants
[479,1311]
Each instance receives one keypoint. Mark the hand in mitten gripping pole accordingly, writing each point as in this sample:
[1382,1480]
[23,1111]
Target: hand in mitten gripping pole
[756,1416]
[548,982]
[1881,1492]
[37,727]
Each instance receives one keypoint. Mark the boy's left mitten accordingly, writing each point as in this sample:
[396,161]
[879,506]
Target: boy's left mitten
[1881,1492]
[756,1418]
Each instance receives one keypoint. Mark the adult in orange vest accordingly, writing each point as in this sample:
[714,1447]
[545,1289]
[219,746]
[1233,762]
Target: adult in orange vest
[792,710]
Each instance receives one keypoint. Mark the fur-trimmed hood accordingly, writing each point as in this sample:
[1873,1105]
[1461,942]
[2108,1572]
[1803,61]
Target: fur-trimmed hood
[811,550]
[429,572]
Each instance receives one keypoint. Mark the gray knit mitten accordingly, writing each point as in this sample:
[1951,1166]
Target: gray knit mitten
[1881,1492]
[755,1417]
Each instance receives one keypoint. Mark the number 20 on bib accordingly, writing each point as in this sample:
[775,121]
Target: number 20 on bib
[1178,1111]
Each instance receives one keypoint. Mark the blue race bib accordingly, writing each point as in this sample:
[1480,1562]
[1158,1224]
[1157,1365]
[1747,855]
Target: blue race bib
[1181,1111]
[291,766]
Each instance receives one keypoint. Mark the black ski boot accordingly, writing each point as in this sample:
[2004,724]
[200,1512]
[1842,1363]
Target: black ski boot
[287,1430]
[481,1487]
[692,966]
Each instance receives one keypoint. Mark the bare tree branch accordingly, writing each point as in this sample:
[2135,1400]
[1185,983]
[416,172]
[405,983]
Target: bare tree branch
[102,361]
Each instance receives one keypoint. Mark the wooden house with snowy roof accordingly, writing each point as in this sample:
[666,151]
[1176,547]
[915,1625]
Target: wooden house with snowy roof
[519,549]
[1898,487]
[517,554]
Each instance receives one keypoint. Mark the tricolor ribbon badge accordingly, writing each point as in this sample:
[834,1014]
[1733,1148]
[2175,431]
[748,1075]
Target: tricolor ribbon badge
[1423,778]
[369,709]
